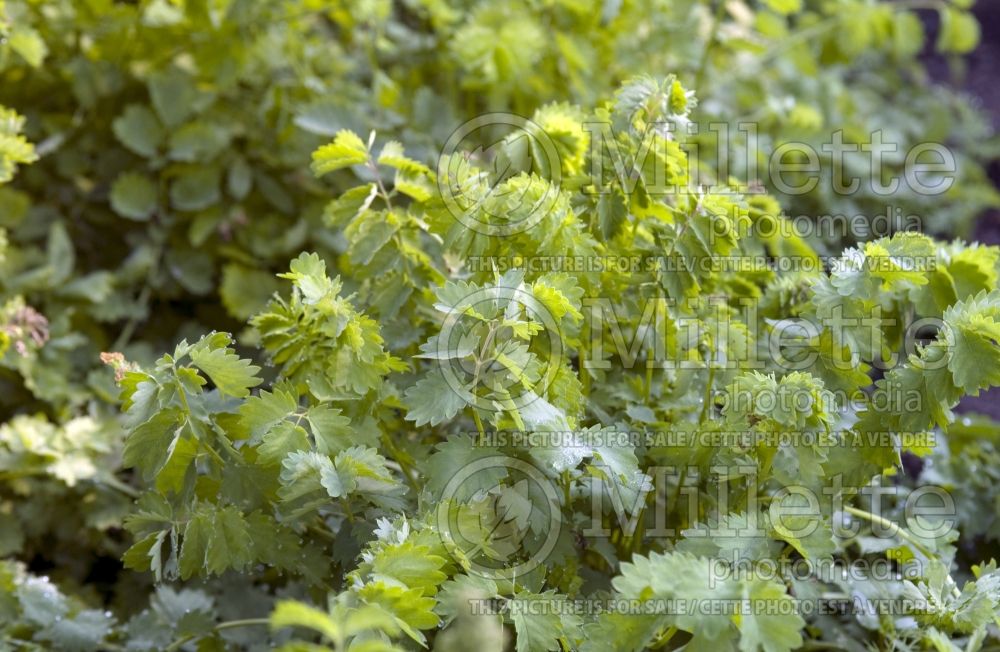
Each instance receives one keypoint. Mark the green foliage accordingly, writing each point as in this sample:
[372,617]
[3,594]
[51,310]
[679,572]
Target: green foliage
[14,149]
[300,473]
[280,478]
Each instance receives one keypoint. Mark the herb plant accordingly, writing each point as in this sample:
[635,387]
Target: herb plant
[561,388]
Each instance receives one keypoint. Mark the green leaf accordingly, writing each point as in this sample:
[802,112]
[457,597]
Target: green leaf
[415,185]
[41,602]
[410,564]
[351,204]
[331,430]
[84,631]
[960,32]
[537,630]
[134,196]
[262,412]
[973,338]
[289,613]
[412,611]
[239,178]
[231,374]
[777,631]
[306,472]
[368,234]
[194,545]
[611,213]
[245,291]
[453,455]
[195,189]
[229,544]
[174,96]
[182,451]
[147,445]
[793,522]
[392,155]
[364,470]
[284,438]
[139,130]
[198,141]
[433,400]
[785,7]
[14,150]
[346,149]
[28,43]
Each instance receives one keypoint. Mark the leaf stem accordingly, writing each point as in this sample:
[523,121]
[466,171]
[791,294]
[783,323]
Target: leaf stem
[114,483]
[402,459]
[479,425]
[664,638]
[707,399]
[229,624]
[893,529]
[373,166]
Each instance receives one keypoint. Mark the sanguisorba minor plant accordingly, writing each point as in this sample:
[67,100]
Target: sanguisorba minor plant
[552,394]
[171,134]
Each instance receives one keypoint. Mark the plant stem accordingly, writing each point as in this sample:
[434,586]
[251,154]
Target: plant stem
[893,529]
[664,638]
[381,186]
[707,399]
[897,531]
[115,483]
[479,425]
[229,624]
[402,459]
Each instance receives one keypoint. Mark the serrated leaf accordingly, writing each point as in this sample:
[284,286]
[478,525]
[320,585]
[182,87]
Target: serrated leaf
[181,452]
[147,445]
[194,545]
[392,155]
[433,400]
[451,457]
[262,412]
[537,630]
[231,374]
[351,204]
[289,613]
[331,430]
[346,149]
[83,632]
[229,544]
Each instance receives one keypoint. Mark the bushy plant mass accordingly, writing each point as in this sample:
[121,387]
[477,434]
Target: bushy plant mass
[485,324]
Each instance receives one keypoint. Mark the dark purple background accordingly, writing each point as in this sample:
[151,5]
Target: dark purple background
[980,78]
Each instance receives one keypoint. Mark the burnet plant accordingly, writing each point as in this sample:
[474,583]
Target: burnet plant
[106,89]
[594,424]
[182,167]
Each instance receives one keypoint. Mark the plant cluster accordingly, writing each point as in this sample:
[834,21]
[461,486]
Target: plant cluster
[494,399]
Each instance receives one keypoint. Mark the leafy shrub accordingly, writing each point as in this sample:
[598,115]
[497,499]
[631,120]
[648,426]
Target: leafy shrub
[311,473]
[173,135]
